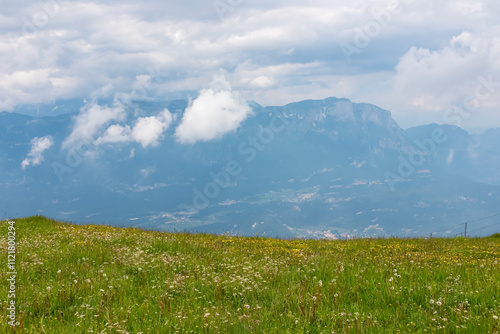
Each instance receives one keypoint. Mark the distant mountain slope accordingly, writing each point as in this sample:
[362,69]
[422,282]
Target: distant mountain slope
[316,168]
[473,156]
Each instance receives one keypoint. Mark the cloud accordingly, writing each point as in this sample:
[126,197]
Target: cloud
[433,81]
[115,134]
[147,131]
[267,55]
[38,146]
[91,120]
[214,113]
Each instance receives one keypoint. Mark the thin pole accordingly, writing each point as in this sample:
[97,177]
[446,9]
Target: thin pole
[465,234]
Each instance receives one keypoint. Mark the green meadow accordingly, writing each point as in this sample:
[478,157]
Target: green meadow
[101,279]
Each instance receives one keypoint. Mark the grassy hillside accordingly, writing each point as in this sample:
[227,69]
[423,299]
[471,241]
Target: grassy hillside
[100,279]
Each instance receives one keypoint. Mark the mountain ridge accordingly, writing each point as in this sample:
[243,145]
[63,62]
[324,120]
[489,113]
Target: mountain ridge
[320,173]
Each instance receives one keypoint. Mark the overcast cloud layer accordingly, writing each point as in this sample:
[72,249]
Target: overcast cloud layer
[417,59]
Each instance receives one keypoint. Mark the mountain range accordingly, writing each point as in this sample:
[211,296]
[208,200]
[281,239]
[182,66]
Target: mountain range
[318,169]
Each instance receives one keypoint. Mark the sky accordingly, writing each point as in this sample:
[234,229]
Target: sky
[425,61]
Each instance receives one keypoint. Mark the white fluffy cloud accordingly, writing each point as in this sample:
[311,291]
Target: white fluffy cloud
[433,81]
[91,120]
[147,131]
[115,134]
[214,113]
[38,146]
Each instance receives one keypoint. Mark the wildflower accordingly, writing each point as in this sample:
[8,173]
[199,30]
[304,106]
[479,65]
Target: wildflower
[495,317]
[49,288]
[438,303]
[431,301]
[103,275]
[320,283]
[246,306]
[59,271]
[75,281]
